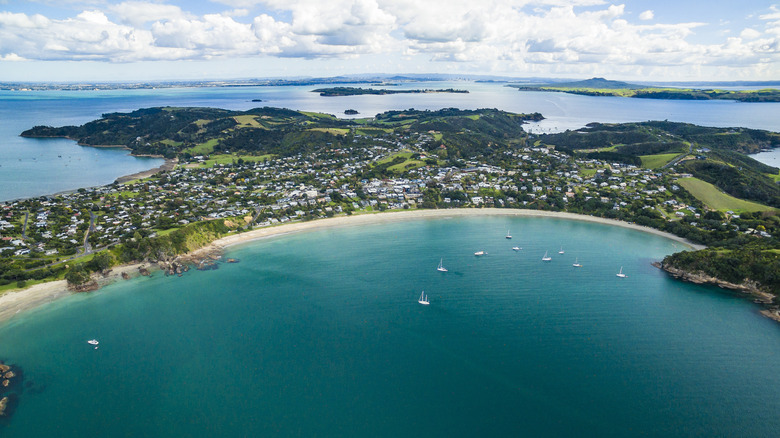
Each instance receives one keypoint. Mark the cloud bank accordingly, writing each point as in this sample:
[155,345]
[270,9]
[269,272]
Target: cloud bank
[489,35]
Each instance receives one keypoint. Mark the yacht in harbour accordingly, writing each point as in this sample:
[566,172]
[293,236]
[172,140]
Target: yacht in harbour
[423,299]
[546,258]
[576,263]
[621,274]
[441,267]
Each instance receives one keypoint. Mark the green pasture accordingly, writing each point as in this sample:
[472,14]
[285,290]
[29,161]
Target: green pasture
[657,161]
[716,199]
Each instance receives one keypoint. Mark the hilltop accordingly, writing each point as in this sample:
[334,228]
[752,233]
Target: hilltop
[604,87]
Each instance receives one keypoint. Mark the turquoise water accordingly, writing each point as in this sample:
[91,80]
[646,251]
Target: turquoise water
[320,334]
[33,167]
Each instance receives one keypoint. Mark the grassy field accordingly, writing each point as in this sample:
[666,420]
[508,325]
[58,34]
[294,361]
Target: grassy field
[657,161]
[408,163]
[203,148]
[334,131]
[318,115]
[717,200]
[373,131]
[248,121]
[136,181]
[229,159]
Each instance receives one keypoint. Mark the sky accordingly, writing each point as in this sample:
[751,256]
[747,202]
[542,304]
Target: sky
[159,40]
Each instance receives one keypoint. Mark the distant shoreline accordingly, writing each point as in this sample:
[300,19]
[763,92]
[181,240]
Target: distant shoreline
[14,302]
[169,164]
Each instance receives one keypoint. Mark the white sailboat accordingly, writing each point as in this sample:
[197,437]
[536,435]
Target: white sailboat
[516,248]
[621,274]
[576,263]
[480,253]
[508,236]
[546,258]
[423,299]
[561,251]
[441,267]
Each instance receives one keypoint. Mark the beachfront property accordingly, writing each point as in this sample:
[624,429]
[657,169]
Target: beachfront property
[329,182]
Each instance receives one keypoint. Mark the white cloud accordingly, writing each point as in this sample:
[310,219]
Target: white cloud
[749,34]
[139,13]
[555,35]
[11,57]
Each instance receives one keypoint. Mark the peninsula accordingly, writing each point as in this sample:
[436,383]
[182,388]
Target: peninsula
[244,170]
[604,87]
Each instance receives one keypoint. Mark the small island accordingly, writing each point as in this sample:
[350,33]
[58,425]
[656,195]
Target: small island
[353,91]
[351,112]
[604,87]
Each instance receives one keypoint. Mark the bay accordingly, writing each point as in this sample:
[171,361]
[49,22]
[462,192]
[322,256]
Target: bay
[34,167]
[320,334]
[771,158]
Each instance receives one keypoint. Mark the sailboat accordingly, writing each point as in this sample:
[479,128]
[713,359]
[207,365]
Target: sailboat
[576,263]
[546,258]
[516,248]
[561,251]
[621,274]
[441,268]
[423,299]
[508,236]
[480,253]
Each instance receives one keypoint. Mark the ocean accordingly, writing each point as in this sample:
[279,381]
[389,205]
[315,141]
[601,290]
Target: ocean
[320,334]
[35,167]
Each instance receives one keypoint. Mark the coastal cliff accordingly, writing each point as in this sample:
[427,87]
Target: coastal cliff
[750,288]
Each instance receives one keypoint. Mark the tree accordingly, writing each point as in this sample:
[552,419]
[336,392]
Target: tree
[77,275]
[101,261]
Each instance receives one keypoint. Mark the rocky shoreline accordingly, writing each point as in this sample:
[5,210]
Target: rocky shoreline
[10,381]
[748,288]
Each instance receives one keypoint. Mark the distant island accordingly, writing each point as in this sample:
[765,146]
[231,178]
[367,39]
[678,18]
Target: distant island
[604,87]
[353,91]
[351,112]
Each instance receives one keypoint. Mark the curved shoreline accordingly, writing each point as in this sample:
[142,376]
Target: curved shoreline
[398,216]
[17,301]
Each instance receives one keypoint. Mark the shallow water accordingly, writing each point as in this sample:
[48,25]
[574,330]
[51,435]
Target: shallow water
[320,334]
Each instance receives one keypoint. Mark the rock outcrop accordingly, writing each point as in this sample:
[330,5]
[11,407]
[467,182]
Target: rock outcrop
[748,286]
[89,286]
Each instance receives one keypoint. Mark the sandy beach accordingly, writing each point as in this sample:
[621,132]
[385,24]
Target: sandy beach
[398,216]
[14,302]
[17,301]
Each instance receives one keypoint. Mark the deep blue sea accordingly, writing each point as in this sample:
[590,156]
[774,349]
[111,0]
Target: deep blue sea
[34,167]
[320,335]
